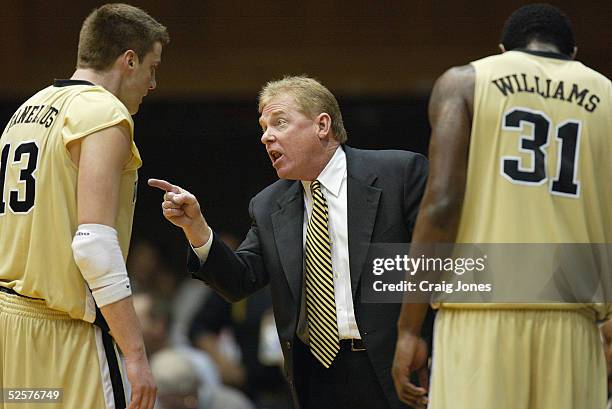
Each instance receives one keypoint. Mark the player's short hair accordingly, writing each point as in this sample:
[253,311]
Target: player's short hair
[112,29]
[312,98]
[540,22]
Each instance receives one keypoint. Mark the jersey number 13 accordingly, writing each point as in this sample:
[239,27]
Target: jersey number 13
[26,177]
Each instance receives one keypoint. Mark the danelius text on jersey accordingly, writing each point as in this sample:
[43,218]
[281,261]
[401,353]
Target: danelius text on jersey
[34,114]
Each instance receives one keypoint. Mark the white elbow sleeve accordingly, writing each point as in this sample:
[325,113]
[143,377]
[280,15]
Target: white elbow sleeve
[98,256]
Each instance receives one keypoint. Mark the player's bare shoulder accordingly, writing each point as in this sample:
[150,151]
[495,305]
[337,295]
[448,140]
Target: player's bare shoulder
[457,81]
[454,88]
[457,78]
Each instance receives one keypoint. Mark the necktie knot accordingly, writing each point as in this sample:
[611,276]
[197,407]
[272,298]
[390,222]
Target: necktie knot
[315,186]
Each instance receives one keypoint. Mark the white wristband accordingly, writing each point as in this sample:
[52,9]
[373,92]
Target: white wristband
[112,293]
[98,255]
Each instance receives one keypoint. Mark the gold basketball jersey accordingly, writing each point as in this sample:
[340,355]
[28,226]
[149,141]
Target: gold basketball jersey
[540,165]
[38,192]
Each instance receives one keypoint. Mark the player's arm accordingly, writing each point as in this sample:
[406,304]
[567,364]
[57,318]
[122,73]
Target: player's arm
[606,331]
[101,157]
[450,115]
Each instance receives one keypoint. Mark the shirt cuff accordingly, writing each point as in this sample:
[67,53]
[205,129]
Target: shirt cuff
[203,251]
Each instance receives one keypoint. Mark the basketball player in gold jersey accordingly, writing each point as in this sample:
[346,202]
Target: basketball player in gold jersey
[68,174]
[520,153]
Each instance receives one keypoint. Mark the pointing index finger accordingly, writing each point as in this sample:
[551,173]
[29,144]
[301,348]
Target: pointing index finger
[163,185]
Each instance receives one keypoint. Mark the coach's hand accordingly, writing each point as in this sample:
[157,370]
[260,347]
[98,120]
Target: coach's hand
[410,356]
[182,209]
[141,381]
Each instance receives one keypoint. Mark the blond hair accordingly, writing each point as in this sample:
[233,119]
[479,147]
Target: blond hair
[312,98]
[112,29]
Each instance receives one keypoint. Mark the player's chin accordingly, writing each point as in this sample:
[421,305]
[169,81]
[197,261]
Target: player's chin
[134,106]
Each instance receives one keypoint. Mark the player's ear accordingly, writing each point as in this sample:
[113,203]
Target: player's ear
[574,52]
[129,59]
[501,47]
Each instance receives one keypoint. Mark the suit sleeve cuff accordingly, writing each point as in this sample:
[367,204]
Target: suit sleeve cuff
[202,252]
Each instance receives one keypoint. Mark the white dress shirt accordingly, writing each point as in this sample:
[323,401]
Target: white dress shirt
[333,181]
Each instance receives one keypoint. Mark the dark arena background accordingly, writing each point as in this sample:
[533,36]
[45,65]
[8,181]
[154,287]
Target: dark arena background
[199,127]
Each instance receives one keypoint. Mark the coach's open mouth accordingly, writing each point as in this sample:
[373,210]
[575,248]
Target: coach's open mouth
[275,156]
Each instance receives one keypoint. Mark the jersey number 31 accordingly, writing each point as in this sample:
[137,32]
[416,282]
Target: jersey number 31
[568,135]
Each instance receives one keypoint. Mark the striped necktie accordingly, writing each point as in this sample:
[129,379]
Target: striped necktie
[320,302]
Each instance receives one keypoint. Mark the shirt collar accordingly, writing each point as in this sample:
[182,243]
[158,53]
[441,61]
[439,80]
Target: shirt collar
[333,173]
[548,54]
[66,83]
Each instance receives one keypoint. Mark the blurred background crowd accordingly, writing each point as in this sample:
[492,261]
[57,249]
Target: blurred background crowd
[226,355]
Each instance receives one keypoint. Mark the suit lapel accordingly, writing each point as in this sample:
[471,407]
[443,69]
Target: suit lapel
[362,206]
[288,224]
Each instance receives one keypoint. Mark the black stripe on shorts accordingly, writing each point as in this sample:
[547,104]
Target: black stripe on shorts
[115,372]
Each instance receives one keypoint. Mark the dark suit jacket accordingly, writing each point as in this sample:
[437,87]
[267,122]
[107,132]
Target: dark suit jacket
[384,189]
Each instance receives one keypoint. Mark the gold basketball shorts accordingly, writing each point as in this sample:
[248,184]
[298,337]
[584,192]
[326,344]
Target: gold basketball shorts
[41,348]
[517,359]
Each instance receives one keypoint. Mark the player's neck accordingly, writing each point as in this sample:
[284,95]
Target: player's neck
[106,79]
[540,46]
